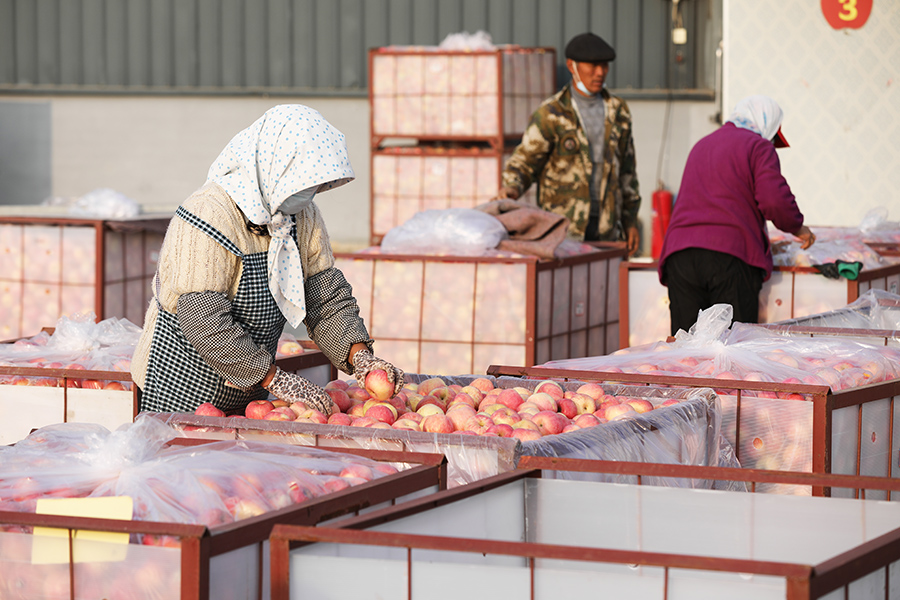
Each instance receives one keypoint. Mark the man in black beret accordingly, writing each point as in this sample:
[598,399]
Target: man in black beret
[579,149]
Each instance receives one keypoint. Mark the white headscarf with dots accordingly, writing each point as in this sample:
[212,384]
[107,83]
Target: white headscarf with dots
[759,114]
[290,150]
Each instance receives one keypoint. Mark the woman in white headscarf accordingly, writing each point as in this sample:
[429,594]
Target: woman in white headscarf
[716,249]
[245,254]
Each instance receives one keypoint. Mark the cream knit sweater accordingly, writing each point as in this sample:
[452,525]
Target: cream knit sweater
[191,261]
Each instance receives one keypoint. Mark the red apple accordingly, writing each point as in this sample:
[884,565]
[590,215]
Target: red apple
[550,387]
[584,403]
[499,430]
[586,420]
[407,425]
[619,412]
[337,384]
[640,405]
[594,390]
[281,413]
[525,435]
[382,411]
[340,419]
[438,424]
[257,409]
[379,385]
[459,414]
[567,407]
[483,384]
[544,401]
[340,398]
[510,398]
[430,384]
[207,409]
[549,422]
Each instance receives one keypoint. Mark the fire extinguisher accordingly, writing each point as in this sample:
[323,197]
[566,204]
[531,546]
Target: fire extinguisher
[662,212]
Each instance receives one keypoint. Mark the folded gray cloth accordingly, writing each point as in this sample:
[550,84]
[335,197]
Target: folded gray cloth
[531,230]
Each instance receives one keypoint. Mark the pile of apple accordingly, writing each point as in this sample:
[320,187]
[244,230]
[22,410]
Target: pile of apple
[480,408]
[122,364]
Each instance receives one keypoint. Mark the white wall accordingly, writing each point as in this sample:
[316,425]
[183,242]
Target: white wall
[840,91]
[157,150]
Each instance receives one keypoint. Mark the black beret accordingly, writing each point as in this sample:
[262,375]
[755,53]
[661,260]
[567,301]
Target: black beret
[588,47]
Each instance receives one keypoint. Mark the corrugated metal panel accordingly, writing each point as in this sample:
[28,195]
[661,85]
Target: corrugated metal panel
[307,45]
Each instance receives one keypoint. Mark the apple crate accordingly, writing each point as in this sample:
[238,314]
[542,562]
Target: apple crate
[846,432]
[208,562]
[791,292]
[411,179]
[50,267]
[469,457]
[427,93]
[686,433]
[526,535]
[454,314]
[32,397]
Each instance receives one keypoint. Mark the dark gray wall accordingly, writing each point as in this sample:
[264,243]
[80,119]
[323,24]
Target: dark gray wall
[24,152]
[320,46]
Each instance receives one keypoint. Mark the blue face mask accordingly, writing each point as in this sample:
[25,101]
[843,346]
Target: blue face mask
[294,204]
[578,84]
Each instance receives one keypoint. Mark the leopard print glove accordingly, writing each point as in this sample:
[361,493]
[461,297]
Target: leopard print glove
[364,362]
[290,387]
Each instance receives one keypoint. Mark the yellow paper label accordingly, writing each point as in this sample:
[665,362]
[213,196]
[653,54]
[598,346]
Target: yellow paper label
[50,545]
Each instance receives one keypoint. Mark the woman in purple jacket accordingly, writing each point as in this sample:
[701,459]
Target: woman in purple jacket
[716,249]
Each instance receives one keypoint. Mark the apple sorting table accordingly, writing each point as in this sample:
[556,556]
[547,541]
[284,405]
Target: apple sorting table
[52,266]
[526,535]
[193,560]
[32,397]
[456,314]
[457,95]
[790,293]
[687,432]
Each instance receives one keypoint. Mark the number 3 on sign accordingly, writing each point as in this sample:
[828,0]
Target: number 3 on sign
[851,14]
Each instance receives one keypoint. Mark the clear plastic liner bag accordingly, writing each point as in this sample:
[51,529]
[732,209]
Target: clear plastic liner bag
[227,481]
[876,309]
[451,231]
[105,203]
[790,254]
[70,460]
[480,40]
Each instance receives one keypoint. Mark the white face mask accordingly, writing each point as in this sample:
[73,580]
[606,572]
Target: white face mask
[294,204]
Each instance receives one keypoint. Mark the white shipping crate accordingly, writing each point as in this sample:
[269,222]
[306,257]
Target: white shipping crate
[523,537]
[407,180]
[457,314]
[429,93]
[790,293]
[56,266]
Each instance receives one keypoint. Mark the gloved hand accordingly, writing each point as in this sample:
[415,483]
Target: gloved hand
[290,387]
[840,268]
[364,363]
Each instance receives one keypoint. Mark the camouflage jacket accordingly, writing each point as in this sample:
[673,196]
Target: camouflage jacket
[555,154]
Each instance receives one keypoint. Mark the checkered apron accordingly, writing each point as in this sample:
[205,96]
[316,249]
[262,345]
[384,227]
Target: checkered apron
[178,379]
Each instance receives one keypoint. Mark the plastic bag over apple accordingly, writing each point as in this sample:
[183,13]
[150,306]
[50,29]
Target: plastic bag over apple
[750,353]
[451,231]
[70,460]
